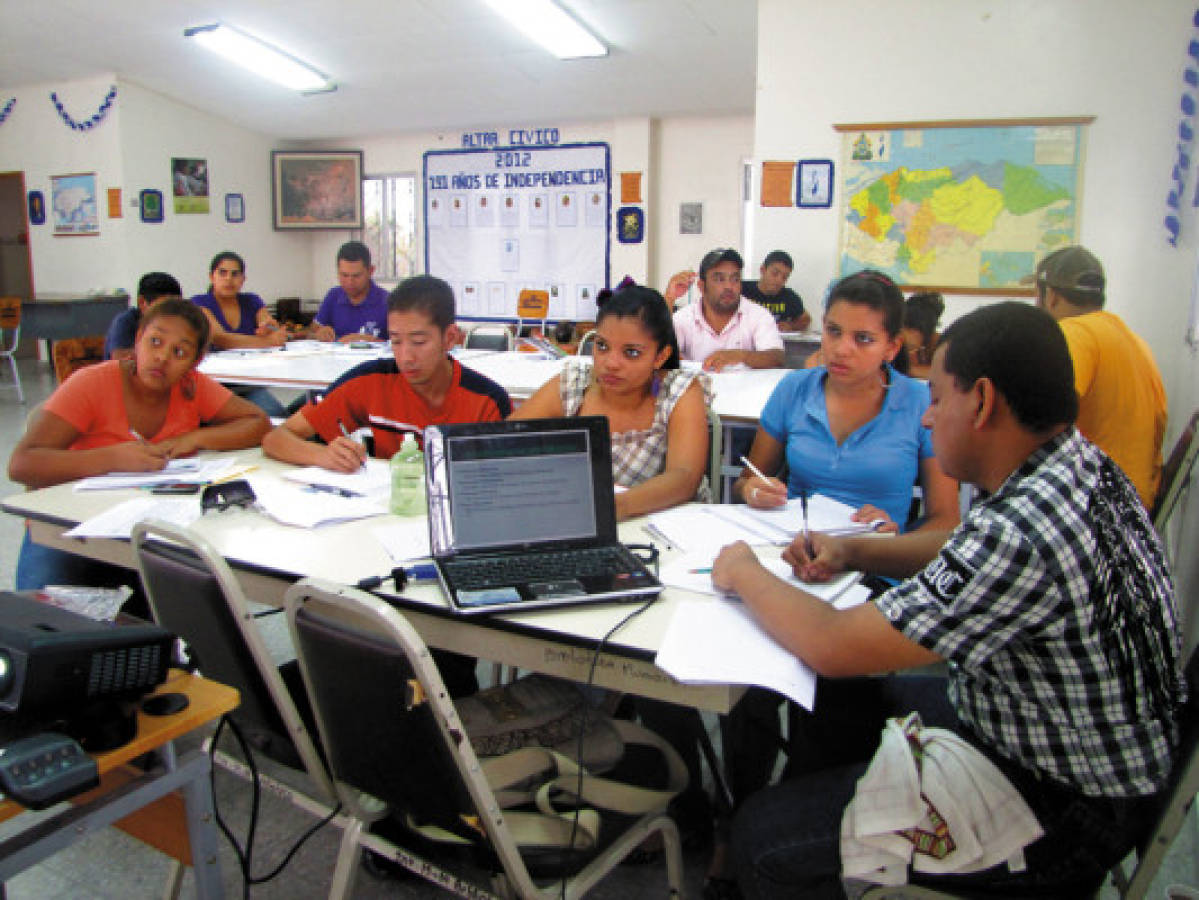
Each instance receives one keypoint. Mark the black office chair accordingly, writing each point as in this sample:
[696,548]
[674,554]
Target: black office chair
[395,743]
[194,594]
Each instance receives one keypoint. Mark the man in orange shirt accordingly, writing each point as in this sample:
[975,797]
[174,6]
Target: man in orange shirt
[1122,404]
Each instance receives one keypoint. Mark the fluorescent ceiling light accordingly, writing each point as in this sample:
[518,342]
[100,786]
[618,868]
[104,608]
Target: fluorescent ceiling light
[551,26]
[259,57]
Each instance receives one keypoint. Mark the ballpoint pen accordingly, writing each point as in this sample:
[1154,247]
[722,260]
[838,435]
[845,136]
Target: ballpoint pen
[342,426]
[755,470]
[807,538]
[331,489]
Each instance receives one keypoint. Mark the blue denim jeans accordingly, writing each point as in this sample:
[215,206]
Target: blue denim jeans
[786,839]
[263,399]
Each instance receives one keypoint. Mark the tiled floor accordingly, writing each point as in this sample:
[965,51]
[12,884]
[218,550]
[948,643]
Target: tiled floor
[112,866]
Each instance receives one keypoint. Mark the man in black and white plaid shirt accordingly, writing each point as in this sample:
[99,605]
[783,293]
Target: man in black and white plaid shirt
[1051,604]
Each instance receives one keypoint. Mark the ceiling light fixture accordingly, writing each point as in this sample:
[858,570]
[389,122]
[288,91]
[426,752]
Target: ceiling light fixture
[260,57]
[551,26]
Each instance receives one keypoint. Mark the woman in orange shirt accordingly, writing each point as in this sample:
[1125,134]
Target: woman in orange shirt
[129,416]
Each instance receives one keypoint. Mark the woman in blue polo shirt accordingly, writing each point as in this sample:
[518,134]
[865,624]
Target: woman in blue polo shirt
[850,428]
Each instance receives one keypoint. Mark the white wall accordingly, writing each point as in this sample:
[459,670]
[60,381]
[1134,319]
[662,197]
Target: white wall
[153,130]
[880,61]
[33,139]
[132,149]
[692,159]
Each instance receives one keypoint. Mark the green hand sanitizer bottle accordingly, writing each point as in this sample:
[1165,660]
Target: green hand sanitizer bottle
[408,479]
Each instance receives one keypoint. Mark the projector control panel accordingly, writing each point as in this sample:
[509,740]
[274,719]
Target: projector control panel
[41,770]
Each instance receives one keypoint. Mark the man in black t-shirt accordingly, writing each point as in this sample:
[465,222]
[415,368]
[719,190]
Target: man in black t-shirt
[771,291]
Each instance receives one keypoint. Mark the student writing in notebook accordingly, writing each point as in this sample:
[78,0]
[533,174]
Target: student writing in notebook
[1051,603]
[420,385]
[656,410]
[129,415]
[850,429]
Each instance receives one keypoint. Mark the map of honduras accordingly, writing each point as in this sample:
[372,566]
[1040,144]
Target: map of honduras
[958,207]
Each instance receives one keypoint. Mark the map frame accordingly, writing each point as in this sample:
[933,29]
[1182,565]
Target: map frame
[849,134]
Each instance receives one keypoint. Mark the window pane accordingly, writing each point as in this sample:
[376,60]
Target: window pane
[389,217]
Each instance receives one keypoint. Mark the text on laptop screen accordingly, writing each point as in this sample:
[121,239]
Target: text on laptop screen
[541,480]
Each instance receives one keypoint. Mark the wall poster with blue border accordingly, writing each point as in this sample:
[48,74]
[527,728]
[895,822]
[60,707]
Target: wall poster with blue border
[502,220]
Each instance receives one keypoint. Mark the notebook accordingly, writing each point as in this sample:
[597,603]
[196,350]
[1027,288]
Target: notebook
[522,515]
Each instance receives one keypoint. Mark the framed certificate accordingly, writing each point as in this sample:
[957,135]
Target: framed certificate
[814,186]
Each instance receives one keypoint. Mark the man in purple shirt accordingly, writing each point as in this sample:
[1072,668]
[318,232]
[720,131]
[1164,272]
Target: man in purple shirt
[356,310]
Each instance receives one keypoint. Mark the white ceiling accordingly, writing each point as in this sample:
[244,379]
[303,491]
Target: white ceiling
[401,65]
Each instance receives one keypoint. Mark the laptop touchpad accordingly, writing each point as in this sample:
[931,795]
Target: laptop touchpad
[542,590]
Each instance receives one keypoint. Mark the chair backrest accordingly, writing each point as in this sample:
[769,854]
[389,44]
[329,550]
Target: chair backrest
[715,456]
[1179,797]
[72,354]
[1176,474]
[194,594]
[587,344]
[488,337]
[386,719]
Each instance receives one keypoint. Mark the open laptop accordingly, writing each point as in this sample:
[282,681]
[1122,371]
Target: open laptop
[522,515]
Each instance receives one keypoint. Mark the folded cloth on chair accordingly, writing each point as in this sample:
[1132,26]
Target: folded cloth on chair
[932,801]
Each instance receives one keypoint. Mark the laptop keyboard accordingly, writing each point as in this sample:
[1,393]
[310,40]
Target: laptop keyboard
[499,571]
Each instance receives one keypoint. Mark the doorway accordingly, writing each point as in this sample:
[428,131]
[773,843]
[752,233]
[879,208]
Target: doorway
[16,262]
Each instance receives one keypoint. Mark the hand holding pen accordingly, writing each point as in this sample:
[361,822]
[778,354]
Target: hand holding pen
[344,454]
[762,492]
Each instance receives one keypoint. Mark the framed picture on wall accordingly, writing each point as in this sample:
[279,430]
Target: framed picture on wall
[235,208]
[320,189]
[149,203]
[73,204]
[814,186]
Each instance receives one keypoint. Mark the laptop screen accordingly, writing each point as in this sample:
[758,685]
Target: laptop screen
[519,484]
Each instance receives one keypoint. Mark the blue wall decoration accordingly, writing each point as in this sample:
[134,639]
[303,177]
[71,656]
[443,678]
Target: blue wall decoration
[89,123]
[630,225]
[7,109]
[37,208]
[1186,137]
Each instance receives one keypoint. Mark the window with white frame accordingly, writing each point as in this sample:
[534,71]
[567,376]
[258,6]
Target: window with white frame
[389,216]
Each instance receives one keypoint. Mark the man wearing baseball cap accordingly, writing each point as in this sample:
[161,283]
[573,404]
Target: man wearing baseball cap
[723,330]
[1122,404]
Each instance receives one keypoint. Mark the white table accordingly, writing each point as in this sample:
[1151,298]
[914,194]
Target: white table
[269,557]
[740,395]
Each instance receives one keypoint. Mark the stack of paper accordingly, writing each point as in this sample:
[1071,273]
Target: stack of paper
[118,521]
[192,471]
[718,642]
[295,505]
[782,524]
[370,480]
[692,572]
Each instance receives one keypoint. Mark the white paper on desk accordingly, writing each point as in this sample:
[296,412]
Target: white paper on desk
[404,539]
[718,642]
[118,521]
[370,480]
[780,525]
[681,572]
[293,505]
[696,528]
[192,471]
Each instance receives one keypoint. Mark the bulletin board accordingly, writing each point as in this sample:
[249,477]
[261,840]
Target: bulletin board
[499,221]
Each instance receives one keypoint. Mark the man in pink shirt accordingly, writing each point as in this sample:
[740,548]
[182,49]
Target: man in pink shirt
[723,329]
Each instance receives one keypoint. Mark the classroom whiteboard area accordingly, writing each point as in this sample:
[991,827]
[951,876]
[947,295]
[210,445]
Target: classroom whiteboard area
[501,221]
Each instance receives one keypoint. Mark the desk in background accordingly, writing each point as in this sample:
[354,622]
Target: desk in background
[126,795]
[269,557]
[55,317]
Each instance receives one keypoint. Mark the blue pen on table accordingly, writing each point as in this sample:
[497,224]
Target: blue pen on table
[342,426]
[706,570]
[331,489]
